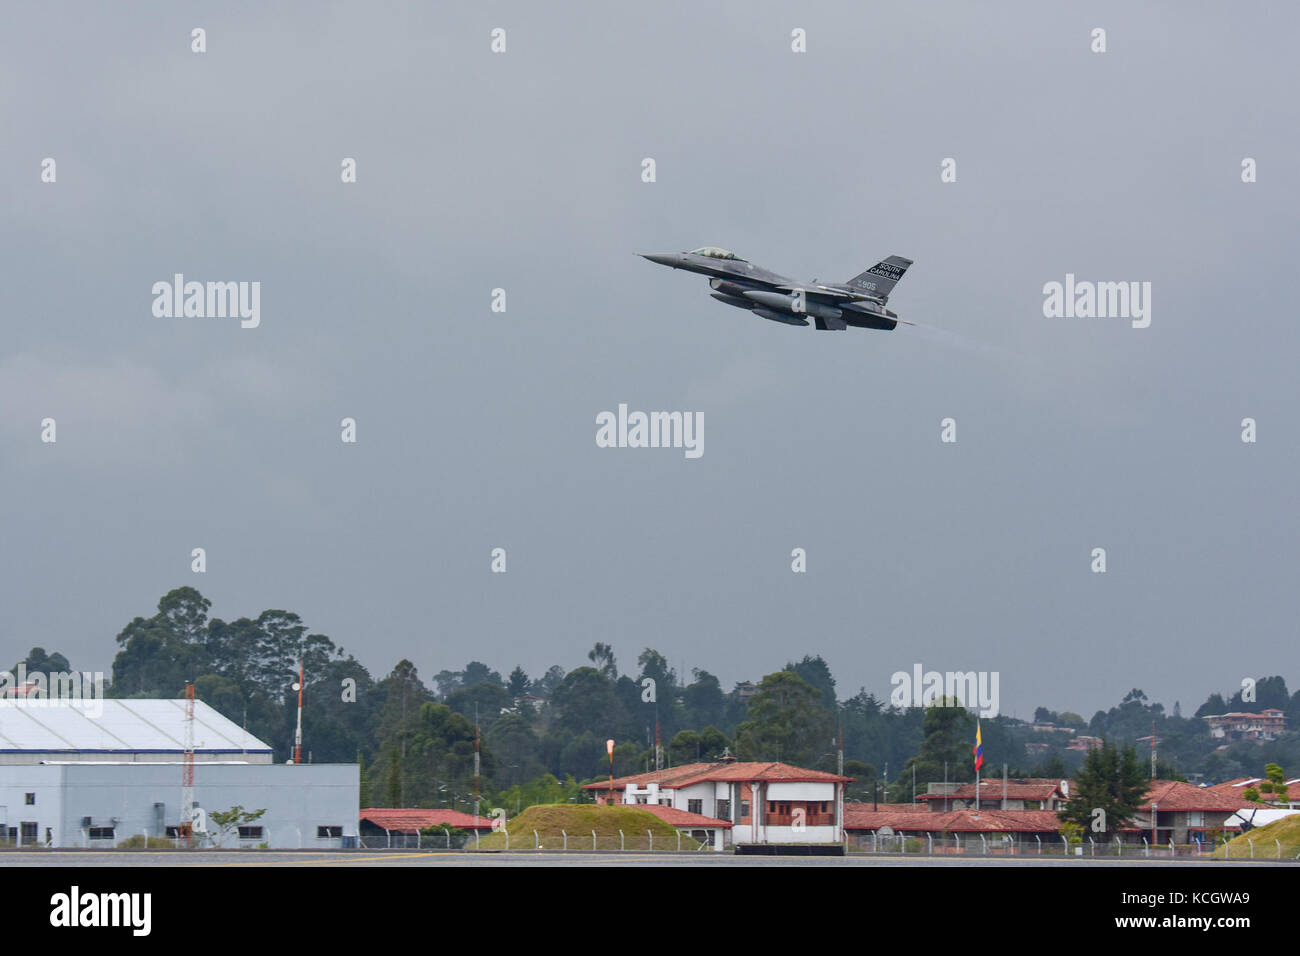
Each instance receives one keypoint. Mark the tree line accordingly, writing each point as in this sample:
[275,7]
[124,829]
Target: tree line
[540,737]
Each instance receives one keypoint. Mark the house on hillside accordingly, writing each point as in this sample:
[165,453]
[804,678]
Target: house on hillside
[1266,725]
[767,804]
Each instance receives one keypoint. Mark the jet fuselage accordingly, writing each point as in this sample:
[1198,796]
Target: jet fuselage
[738,283]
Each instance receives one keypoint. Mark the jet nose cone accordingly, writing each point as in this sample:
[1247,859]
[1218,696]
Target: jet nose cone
[663,260]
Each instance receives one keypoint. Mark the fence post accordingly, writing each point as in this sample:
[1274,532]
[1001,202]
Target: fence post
[507,833]
[537,843]
[565,834]
[620,839]
[652,840]
[593,841]
[679,845]
[1279,848]
[1252,848]
[476,833]
[984,845]
[1173,850]
[873,841]
[929,841]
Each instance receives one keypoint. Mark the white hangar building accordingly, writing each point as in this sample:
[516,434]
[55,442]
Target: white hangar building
[92,773]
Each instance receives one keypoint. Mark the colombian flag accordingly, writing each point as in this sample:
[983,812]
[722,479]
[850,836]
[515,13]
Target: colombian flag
[978,749]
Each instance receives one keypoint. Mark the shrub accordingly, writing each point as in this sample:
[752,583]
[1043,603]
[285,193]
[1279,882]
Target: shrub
[139,842]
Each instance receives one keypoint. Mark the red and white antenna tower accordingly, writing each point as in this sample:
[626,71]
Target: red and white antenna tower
[186,830]
[659,747]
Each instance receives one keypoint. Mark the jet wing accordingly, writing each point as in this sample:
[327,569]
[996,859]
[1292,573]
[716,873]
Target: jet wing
[819,290]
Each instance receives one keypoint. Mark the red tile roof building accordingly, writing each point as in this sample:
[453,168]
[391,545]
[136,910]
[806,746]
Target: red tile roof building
[412,820]
[1237,789]
[952,831]
[766,802]
[1184,813]
[1024,793]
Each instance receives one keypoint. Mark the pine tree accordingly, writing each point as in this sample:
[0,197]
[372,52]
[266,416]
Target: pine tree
[364,776]
[1110,781]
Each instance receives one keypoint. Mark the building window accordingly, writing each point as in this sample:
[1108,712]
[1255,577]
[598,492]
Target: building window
[173,832]
[250,833]
[724,809]
[744,808]
[30,799]
[329,833]
[695,806]
[96,833]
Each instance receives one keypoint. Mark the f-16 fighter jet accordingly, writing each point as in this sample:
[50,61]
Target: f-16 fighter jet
[860,302]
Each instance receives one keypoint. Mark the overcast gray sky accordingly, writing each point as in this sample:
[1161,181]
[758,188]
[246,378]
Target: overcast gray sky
[476,429]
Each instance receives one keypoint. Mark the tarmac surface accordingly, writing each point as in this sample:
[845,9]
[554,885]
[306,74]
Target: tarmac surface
[409,858]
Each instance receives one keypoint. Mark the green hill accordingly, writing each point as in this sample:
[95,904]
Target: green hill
[552,821]
[1287,830]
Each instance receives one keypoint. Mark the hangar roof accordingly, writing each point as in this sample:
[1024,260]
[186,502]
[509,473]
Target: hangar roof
[134,726]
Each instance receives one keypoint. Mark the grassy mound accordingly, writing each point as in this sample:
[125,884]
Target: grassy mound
[1286,830]
[551,821]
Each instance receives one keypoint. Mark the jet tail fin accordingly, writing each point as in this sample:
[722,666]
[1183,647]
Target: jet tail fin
[881,278]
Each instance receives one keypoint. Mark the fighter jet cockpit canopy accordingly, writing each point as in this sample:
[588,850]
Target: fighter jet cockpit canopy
[713,252]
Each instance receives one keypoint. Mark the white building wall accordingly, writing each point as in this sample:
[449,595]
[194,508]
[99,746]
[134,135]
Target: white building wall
[704,792]
[801,791]
[46,783]
[297,799]
[806,835]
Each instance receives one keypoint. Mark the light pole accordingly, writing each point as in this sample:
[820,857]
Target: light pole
[297,734]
